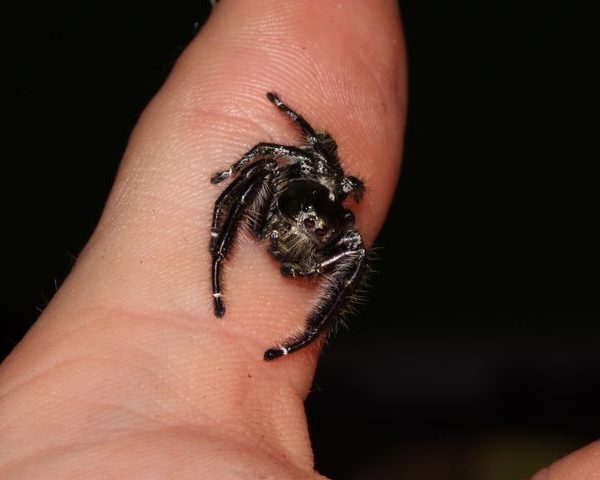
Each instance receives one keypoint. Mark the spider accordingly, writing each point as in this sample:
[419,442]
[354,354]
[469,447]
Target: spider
[291,198]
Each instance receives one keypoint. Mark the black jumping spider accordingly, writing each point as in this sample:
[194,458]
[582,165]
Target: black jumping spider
[292,197]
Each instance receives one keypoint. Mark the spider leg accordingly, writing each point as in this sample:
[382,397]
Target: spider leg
[243,196]
[353,186]
[230,195]
[309,133]
[259,213]
[347,266]
[289,269]
[318,141]
[268,150]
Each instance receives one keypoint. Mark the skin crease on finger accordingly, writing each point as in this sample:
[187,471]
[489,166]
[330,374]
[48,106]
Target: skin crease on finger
[129,346]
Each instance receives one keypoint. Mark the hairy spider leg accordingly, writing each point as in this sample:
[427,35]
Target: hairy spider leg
[246,195]
[269,150]
[324,143]
[319,142]
[353,186]
[309,133]
[230,195]
[289,269]
[347,268]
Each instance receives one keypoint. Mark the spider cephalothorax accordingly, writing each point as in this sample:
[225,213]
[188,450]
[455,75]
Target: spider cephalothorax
[291,197]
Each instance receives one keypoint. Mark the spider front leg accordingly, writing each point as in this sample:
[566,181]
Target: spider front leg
[309,133]
[289,269]
[353,186]
[347,265]
[231,195]
[241,196]
[269,150]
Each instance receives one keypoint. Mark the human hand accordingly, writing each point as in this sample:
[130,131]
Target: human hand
[128,373]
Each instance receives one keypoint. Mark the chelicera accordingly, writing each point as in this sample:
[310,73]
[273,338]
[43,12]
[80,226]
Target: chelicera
[292,199]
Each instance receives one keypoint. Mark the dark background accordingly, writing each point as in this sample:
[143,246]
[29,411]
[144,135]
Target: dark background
[477,355]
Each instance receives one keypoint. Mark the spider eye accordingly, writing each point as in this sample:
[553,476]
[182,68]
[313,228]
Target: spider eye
[308,223]
[321,231]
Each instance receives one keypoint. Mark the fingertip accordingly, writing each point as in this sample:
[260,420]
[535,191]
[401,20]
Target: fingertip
[214,95]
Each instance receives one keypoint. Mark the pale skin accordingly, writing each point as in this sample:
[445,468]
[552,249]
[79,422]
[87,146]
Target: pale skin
[127,373]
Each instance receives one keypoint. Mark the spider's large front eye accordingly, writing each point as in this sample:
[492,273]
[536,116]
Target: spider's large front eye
[308,223]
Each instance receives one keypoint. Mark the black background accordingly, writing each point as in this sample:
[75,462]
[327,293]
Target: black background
[477,355]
